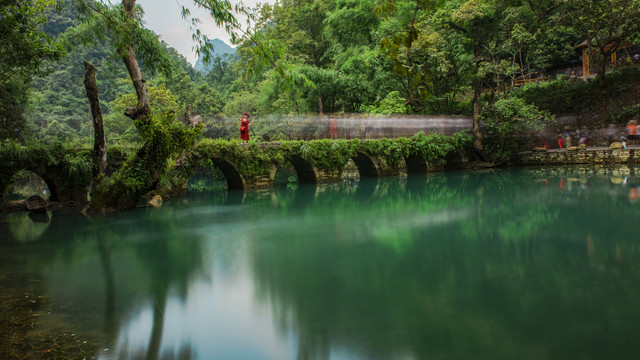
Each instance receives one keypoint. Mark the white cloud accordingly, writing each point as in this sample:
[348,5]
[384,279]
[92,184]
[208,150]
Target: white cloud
[179,38]
[164,17]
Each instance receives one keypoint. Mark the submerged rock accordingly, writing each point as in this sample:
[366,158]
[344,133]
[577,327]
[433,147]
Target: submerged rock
[37,204]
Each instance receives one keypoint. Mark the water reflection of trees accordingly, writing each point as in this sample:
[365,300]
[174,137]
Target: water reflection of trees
[137,263]
[516,268]
[510,264]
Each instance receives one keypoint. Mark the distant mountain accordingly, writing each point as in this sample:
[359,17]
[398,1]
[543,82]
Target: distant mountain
[220,48]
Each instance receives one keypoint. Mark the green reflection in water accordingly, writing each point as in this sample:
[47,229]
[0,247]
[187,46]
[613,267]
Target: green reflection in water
[27,226]
[530,264]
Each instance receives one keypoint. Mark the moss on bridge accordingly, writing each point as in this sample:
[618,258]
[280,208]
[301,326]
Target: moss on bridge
[254,160]
[67,169]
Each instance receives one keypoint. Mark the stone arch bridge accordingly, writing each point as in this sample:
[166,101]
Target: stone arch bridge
[245,165]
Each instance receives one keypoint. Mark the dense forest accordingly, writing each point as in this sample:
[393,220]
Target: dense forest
[310,57]
[89,71]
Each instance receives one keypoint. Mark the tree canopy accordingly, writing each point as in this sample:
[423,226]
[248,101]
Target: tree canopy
[296,57]
[24,47]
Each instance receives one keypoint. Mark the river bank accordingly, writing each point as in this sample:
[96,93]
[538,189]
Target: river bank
[596,155]
[27,329]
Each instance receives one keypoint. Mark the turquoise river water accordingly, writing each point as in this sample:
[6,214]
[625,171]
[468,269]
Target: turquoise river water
[506,264]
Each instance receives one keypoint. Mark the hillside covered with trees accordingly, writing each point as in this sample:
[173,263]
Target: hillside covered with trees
[301,57]
[323,56]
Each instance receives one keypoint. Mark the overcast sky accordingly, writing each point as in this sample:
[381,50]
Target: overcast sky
[165,19]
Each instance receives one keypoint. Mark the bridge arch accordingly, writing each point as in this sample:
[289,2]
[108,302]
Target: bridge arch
[235,181]
[54,194]
[416,164]
[367,167]
[239,175]
[306,172]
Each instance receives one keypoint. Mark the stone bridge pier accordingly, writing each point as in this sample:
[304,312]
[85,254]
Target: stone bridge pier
[244,166]
[263,175]
[63,187]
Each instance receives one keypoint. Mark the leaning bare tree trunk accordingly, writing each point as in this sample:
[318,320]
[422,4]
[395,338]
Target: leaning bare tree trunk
[99,144]
[128,56]
[142,109]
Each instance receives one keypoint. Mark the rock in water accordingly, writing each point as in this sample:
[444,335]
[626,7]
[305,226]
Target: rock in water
[156,201]
[36,203]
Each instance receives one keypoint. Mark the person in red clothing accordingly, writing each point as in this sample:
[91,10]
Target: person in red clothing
[632,127]
[333,128]
[244,127]
[632,133]
[560,141]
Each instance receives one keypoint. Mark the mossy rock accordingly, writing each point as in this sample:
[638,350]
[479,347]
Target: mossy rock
[156,201]
[616,145]
[582,147]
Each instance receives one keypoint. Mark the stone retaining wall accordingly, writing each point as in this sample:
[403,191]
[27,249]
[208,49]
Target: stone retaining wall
[594,156]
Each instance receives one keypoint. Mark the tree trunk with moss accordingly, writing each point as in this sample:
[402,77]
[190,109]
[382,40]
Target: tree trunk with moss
[131,182]
[99,143]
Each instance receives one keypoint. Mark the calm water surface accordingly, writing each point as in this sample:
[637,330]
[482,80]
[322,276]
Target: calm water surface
[507,264]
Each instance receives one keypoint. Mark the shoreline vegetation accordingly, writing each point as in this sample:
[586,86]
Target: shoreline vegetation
[68,168]
[472,58]
[392,58]
[590,156]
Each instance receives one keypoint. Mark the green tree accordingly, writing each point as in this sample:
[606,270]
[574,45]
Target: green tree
[208,101]
[59,97]
[605,25]
[552,37]
[363,72]
[162,136]
[478,22]
[291,40]
[400,31]
[392,104]
[24,47]
[23,50]
[222,72]
[507,117]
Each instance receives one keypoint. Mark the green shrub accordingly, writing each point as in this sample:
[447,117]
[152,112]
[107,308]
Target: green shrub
[392,104]
[577,96]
